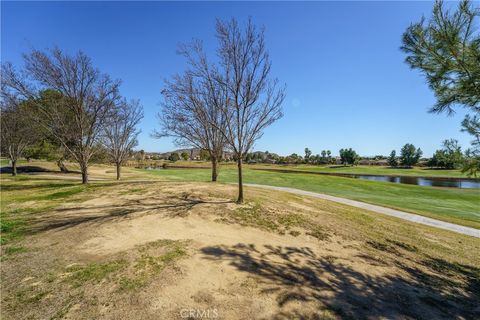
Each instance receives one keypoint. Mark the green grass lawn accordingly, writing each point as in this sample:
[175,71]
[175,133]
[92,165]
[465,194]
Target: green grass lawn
[461,206]
[374,170]
[24,197]
[6,162]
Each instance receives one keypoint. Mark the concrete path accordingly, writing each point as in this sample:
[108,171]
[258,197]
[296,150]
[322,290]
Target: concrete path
[390,212]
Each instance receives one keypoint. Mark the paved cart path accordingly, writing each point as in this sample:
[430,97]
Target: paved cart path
[383,210]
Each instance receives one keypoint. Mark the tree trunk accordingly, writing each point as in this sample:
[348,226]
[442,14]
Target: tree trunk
[214,169]
[14,167]
[119,168]
[62,166]
[84,169]
[240,180]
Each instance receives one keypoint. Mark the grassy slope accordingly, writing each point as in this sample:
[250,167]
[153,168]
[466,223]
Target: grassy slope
[459,206]
[24,197]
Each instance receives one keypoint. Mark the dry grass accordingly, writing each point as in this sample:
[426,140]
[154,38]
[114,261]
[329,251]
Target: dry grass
[145,250]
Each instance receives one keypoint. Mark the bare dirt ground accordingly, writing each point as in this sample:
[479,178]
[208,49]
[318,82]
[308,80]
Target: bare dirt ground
[164,250]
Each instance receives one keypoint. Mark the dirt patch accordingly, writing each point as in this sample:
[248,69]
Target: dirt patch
[170,250]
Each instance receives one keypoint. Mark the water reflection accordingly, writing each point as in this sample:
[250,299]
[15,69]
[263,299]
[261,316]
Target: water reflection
[428,182]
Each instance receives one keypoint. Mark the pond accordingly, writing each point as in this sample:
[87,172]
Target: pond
[423,181]
[463,183]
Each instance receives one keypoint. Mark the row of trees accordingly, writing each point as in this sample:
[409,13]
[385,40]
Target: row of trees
[450,156]
[66,101]
[409,156]
[325,157]
[224,103]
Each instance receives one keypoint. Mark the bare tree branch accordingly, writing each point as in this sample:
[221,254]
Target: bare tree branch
[120,134]
[192,103]
[86,100]
[254,101]
[16,133]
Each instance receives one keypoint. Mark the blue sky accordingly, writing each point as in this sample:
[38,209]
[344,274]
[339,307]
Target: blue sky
[347,83]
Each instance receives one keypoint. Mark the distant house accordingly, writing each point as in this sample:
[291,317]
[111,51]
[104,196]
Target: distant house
[367,162]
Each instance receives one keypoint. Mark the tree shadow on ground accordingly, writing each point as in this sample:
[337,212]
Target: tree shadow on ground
[298,274]
[25,169]
[14,187]
[67,217]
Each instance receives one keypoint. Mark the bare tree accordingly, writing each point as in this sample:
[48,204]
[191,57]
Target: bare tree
[120,134]
[16,133]
[254,100]
[191,111]
[88,98]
